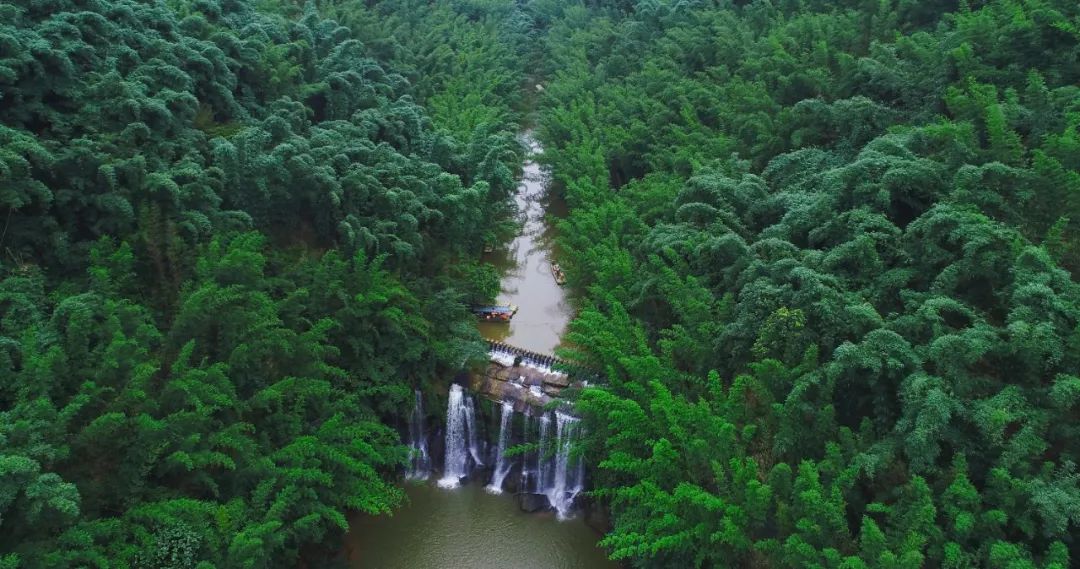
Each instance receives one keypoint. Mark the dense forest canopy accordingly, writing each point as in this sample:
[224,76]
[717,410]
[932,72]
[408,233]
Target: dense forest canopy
[828,251]
[233,241]
[826,256]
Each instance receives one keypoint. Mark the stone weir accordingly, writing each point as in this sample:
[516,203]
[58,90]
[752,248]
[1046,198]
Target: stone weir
[526,379]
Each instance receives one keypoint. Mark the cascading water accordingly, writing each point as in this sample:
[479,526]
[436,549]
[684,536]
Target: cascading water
[540,480]
[567,479]
[525,482]
[470,422]
[502,466]
[557,475]
[457,453]
[420,466]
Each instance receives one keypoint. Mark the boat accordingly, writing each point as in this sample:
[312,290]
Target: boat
[495,313]
[560,277]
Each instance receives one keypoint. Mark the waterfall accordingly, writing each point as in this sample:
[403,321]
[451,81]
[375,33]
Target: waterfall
[456,452]
[554,472]
[470,422]
[540,482]
[502,467]
[568,473]
[420,466]
[524,483]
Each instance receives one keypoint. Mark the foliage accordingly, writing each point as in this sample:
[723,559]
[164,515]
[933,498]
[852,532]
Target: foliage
[826,254]
[226,236]
[826,249]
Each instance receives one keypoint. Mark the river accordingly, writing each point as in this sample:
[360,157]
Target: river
[543,309]
[467,527]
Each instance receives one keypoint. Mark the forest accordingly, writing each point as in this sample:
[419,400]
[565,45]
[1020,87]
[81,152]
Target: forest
[824,254]
[233,240]
[829,250]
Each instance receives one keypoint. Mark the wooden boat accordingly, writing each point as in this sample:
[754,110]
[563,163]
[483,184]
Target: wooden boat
[495,313]
[560,277]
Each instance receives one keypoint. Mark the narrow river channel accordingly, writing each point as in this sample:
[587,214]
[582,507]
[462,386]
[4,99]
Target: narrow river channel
[528,281]
[467,527]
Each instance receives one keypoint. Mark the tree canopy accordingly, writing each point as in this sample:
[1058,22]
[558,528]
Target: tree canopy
[829,255]
[230,235]
[825,256]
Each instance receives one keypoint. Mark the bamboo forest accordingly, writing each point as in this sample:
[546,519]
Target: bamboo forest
[552,284]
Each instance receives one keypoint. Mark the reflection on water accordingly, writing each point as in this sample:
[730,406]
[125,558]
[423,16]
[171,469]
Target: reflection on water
[468,528]
[543,310]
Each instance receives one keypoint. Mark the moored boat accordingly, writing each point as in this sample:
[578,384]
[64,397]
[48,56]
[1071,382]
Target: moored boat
[557,272]
[495,313]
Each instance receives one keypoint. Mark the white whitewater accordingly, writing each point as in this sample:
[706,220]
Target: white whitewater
[507,359]
[470,422]
[420,465]
[502,466]
[525,482]
[540,482]
[567,479]
[457,453]
[559,472]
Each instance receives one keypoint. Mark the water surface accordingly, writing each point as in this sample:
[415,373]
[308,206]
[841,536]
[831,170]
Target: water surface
[543,310]
[467,528]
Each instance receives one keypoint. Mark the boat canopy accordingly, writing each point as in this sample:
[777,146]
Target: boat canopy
[493,309]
